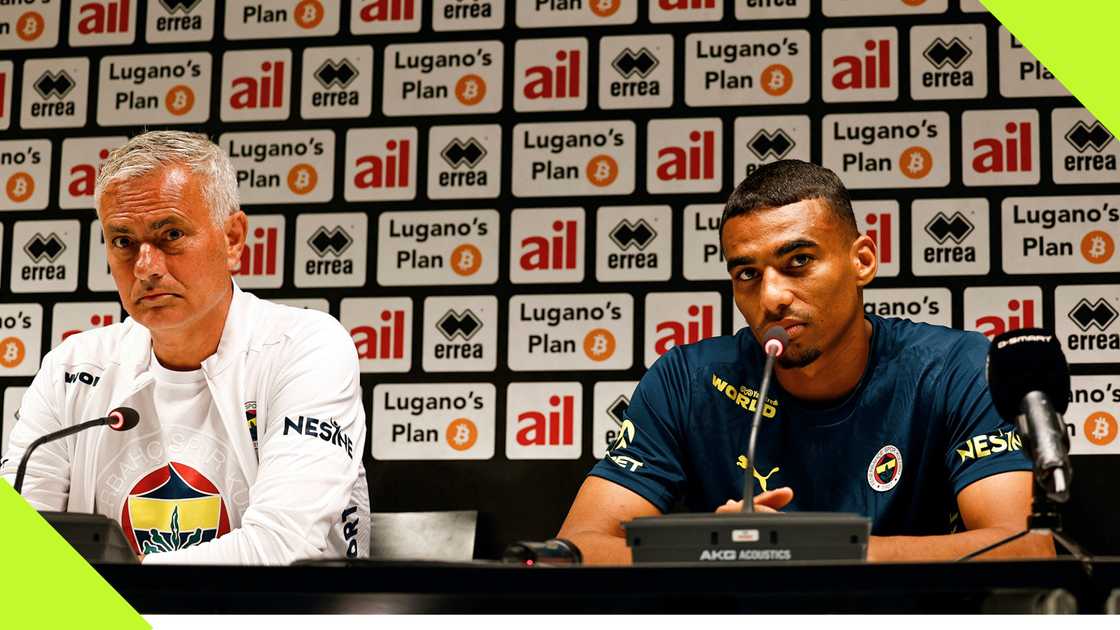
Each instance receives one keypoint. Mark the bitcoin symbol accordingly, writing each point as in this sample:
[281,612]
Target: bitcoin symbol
[29,26]
[605,8]
[470,89]
[302,179]
[913,3]
[461,434]
[776,80]
[466,259]
[602,170]
[13,352]
[179,100]
[915,162]
[20,187]
[598,344]
[1097,247]
[308,14]
[1100,428]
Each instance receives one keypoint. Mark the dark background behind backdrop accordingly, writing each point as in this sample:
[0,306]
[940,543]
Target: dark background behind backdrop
[528,498]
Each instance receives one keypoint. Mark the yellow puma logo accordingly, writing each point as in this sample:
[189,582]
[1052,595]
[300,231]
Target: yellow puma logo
[762,481]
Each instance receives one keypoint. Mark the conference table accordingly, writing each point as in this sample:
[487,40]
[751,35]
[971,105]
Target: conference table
[1059,585]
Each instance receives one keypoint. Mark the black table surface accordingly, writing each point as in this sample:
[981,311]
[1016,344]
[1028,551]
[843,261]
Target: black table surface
[486,587]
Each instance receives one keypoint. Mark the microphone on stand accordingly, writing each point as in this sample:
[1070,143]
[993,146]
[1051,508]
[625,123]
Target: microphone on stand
[119,419]
[774,343]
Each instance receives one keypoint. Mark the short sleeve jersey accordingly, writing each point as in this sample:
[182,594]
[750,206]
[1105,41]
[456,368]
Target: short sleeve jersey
[918,428]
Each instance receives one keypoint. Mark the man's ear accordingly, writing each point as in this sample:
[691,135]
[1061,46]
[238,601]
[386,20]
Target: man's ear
[236,229]
[865,260]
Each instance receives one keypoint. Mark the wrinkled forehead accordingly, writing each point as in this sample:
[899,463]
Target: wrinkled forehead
[170,184]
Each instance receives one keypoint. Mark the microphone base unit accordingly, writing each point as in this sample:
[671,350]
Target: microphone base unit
[95,537]
[748,537]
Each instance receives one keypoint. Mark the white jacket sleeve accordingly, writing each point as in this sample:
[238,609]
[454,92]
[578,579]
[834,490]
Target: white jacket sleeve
[46,485]
[310,449]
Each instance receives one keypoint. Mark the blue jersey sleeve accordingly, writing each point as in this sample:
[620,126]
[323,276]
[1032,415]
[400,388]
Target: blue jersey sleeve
[647,456]
[981,443]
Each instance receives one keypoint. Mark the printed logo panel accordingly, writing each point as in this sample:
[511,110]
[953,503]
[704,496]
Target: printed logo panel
[416,248]
[13,398]
[45,256]
[54,93]
[444,78]
[29,24]
[1084,151]
[929,306]
[674,319]
[1087,322]
[465,162]
[331,249]
[634,243]
[1000,147]
[544,421]
[81,161]
[426,422]
[556,13]
[843,8]
[282,166]
[262,259]
[180,21]
[25,173]
[996,310]
[1020,74]
[950,237]
[102,22]
[71,318]
[662,11]
[256,84]
[948,62]
[608,421]
[573,159]
[468,15]
[571,332]
[746,68]
[1061,234]
[98,277]
[763,139]
[385,16]
[546,245]
[154,89]
[21,332]
[1093,415]
[703,258]
[880,220]
[382,332]
[859,64]
[900,150]
[337,82]
[550,74]
[381,164]
[461,334]
[7,80]
[684,155]
[771,9]
[635,71]
[251,19]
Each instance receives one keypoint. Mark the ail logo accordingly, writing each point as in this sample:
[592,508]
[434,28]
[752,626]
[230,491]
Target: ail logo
[1021,314]
[263,91]
[544,421]
[551,74]
[1000,147]
[862,64]
[256,84]
[388,169]
[381,329]
[101,18]
[381,164]
[388,11]
[1010,153]
[881,234]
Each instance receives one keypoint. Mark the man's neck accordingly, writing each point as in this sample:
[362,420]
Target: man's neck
[834,375]
[186,349]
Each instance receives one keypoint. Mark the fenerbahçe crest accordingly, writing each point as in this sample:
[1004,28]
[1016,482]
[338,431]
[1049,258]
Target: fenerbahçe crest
[885,469]
[172,508]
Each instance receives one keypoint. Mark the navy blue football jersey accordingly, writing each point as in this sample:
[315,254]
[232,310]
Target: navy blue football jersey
[918,428]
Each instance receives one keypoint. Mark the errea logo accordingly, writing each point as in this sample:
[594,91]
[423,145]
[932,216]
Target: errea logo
[180,21]
[54,93]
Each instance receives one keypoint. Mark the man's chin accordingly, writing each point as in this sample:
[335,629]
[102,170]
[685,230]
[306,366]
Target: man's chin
[792,359]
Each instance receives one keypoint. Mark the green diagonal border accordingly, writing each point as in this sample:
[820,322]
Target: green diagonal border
[46,584]
[1075,40]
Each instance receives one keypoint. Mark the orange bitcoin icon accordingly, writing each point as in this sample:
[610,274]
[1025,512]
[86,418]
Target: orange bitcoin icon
[20,187]
[11,352]
[1100,428]
[30,26]
[605,8]
[302,178]
[915,162]
[470,89]
[1097,247]
[598,344]
[308,14]
[777,79]
[466,259]
[602,170]
[179,100]
[461,434]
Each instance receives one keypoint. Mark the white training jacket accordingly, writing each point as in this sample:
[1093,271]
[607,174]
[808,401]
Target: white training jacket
[303,487]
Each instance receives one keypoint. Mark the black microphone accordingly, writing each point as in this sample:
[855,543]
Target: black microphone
[1029,380]
[119,419]
[774,343]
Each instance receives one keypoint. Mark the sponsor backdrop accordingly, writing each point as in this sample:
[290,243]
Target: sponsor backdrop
[513,207]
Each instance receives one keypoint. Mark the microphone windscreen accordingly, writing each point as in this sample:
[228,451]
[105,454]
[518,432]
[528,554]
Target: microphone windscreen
[1023,361]
[123,419]
[776,334]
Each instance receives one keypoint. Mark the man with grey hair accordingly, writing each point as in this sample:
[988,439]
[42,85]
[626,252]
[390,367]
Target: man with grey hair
[249,448]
